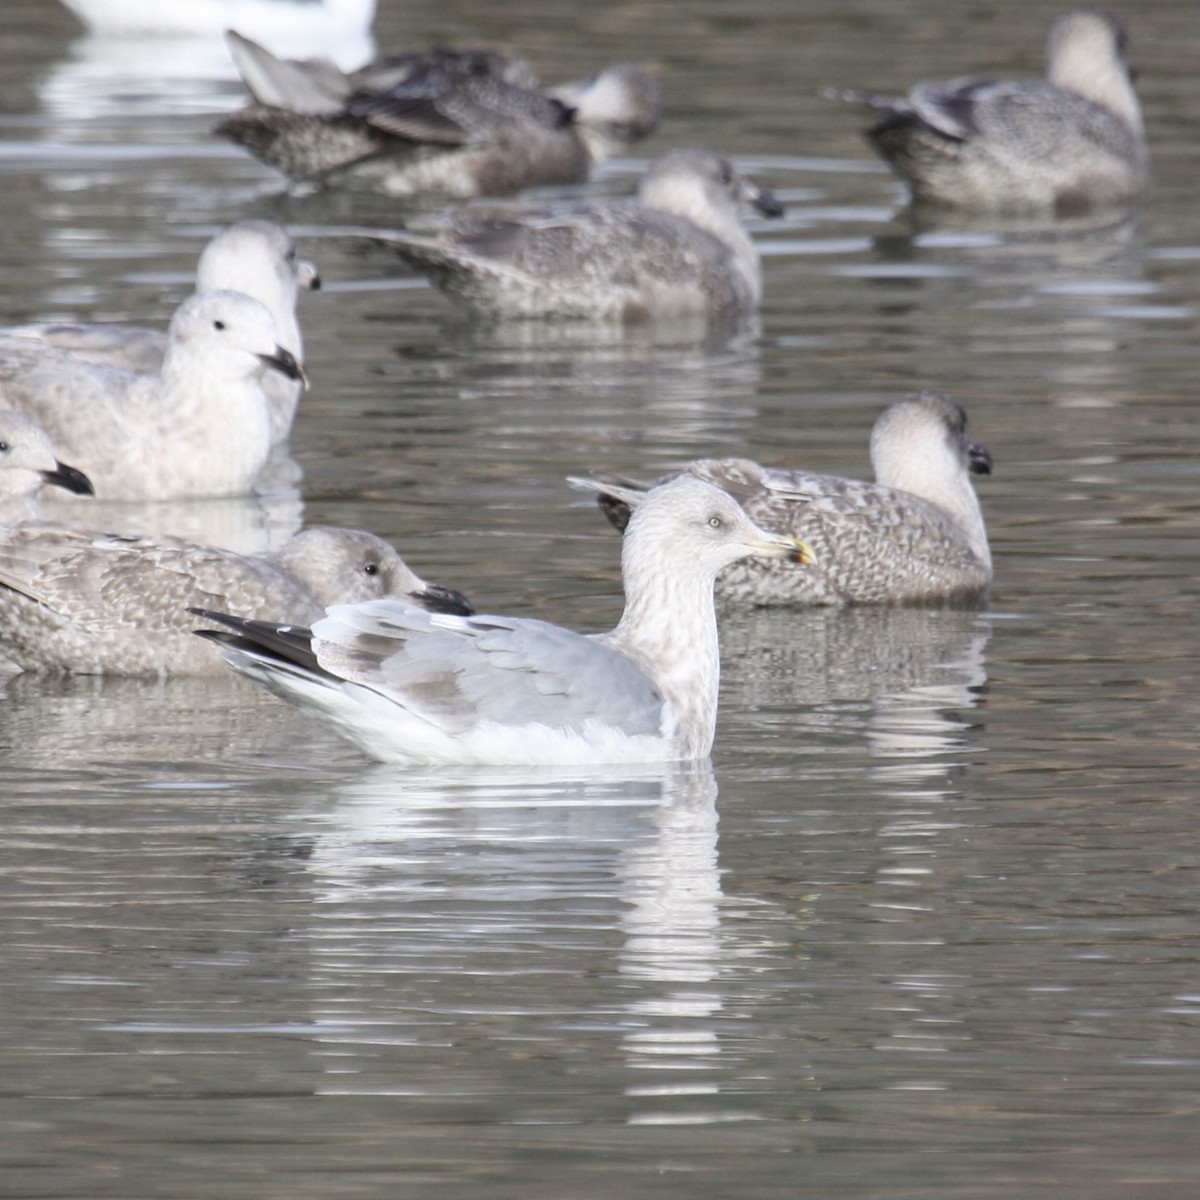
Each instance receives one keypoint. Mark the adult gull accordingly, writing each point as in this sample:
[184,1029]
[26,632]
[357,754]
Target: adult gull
[408,686]
[442,123]
[199,426]
[257,258]
[1062,145]
[77,602]
[914,536]
[678,249]
[27,465]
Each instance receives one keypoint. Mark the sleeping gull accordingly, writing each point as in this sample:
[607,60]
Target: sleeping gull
[915,535]
[1065,144]
[259,259]
[409,687]
[677,249]
[85,603]
[201,426]
[448,123]
[28,464]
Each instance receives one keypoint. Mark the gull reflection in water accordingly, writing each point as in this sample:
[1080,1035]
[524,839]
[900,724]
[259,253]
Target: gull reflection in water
[906,679]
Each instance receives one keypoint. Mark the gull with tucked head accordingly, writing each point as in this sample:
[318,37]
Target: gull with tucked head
[1062,145]
[408,686]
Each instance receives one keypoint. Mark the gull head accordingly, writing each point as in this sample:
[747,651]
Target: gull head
[27,461]
[228,335]
[692,525]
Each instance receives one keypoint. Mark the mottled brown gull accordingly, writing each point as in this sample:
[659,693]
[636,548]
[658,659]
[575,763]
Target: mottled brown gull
[27,465]
[446,123]
[1060,145]
[409,687]
[201,426]
[677,249]
[916,535]
[87,603]
[259,259]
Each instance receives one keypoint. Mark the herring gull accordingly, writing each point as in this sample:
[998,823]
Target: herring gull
[28,464]
[677,249]
[1061,145]
[257,258]
[410,687]
[447,123]
[916,535]
[87,604]
[200,426]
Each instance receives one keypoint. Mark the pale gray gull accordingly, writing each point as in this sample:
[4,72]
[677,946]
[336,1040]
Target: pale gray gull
[445,123]
[259,259]
[1061,145]
[27,465]
[407,686]
[200,426]
[678,249]
[86,603]
[914,536]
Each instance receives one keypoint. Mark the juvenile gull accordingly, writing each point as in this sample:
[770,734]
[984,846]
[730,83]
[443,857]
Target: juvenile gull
[259,259]
[677,249]
[915,535]
[446,123]
[201,426]
[1064,144]
[86,603]
[27,465]
[409,687]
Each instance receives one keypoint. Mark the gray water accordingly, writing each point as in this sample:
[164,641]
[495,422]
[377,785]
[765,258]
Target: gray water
[928,928]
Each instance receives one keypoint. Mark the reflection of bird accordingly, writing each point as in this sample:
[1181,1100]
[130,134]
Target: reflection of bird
[201,426]
[261,18]
[406,686]
[447,123]
[914,535]
[1061,145]
[86,603]
[28,464]
[679,248]
[258,259]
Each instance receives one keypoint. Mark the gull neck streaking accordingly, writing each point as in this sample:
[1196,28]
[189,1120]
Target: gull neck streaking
[409,687]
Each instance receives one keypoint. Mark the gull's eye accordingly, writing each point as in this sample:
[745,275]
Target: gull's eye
[715,523]
[726,176]
[219,326]
[371,569]
[3,447]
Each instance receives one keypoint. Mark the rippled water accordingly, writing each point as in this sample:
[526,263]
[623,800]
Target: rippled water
[927,929]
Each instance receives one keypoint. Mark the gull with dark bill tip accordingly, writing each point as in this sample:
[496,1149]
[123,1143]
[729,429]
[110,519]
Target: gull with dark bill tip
[914,536]
[408,686]
[199,426]
[679,249]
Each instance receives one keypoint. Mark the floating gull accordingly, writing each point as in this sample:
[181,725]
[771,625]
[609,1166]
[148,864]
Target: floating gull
[201,426]
[86,603]
[28,464]
[678,249]
[257,258]
[448,123]
[314,19]
[1062,145]
[915,535]
[409,687]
